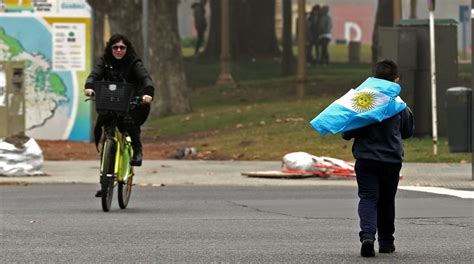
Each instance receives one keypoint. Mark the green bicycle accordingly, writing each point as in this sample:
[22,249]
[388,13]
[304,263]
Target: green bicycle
[114,100]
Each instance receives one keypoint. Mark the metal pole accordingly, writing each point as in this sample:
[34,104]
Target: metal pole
[145,32]
[433,85]
[472,87]
[225,77]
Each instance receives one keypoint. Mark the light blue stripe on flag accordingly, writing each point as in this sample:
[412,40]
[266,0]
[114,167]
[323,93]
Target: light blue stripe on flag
[373,101]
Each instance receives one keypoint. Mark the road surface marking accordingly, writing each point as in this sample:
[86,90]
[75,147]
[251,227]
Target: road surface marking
[438,190]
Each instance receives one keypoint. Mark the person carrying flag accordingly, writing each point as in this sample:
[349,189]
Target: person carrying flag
[377,119]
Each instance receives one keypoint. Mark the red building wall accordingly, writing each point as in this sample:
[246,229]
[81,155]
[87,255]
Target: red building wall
[358,18]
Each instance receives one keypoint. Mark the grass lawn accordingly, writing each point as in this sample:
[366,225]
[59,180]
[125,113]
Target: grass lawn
[266,116]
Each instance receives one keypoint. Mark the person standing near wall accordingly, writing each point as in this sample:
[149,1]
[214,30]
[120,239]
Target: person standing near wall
[200,23]
[314,32]
[325,28]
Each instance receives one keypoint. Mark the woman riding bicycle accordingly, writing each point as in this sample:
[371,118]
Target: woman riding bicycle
[120,63]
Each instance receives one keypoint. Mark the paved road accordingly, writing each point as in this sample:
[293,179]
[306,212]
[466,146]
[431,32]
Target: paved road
[54,223]
[228,173]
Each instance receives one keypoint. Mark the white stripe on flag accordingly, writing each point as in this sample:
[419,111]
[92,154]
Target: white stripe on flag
[363,100]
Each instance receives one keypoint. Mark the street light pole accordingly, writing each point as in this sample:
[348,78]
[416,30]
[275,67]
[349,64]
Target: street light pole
[472,87]
[434,117]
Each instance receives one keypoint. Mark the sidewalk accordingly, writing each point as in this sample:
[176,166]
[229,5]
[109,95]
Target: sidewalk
[194,172]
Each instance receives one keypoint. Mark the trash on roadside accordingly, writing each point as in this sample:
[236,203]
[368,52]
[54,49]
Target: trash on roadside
[185,152]
[303,165]
[20,156]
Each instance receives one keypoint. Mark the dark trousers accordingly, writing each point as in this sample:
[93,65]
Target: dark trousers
[309,52]
[199,41]
[377,185]
[324,42]
[130,123]
[138,117]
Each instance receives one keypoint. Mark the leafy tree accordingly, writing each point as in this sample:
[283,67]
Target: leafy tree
[383,18]
[288,60]
[124,17]
[164,53]
[252,29]
[166,59]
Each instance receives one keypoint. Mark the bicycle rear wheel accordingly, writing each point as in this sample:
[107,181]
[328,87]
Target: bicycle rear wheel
[107,178]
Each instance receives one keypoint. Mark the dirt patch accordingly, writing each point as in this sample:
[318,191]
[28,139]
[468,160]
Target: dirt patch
[68,150]
[154,148]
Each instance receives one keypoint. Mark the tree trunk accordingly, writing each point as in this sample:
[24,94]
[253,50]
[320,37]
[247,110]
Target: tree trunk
[383,18]
[166,60]
[252,29]
[123,19]
[288,60]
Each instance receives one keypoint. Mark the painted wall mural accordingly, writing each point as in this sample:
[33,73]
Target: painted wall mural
[53,39]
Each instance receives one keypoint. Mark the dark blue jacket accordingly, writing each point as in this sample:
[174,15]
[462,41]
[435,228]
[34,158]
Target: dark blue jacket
[382,141]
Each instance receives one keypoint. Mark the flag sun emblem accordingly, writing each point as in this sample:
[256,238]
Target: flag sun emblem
[363,101]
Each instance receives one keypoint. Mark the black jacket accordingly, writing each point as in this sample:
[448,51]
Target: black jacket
[130,70]
[382,141]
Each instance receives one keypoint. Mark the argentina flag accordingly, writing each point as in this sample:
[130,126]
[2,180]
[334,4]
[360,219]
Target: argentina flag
[372,101]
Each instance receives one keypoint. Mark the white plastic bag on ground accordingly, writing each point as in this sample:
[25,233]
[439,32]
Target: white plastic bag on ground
[324,166]
[26,160]
[301,161]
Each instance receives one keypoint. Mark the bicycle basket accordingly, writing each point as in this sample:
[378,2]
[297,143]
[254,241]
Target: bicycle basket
[112,96]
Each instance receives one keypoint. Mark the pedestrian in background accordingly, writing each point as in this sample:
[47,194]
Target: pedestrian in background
[325,28]
[378,151]
[308,38]
[200,23]
[314,34]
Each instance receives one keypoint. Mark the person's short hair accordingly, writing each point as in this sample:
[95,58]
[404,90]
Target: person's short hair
[386,69]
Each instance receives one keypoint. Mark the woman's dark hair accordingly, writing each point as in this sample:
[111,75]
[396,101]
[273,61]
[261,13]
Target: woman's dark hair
[386,69]
[114,39]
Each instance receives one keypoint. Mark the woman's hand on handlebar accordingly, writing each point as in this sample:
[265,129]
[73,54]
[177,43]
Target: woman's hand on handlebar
[88,92]
[147,99]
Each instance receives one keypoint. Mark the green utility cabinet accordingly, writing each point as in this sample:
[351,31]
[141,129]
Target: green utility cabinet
[408,44]
[12,98]
[399,45]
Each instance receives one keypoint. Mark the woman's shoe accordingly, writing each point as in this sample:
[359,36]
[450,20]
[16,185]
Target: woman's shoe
[137,158]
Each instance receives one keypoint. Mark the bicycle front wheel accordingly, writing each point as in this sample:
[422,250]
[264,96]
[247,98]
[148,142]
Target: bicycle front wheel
[107,178]
[124,191]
